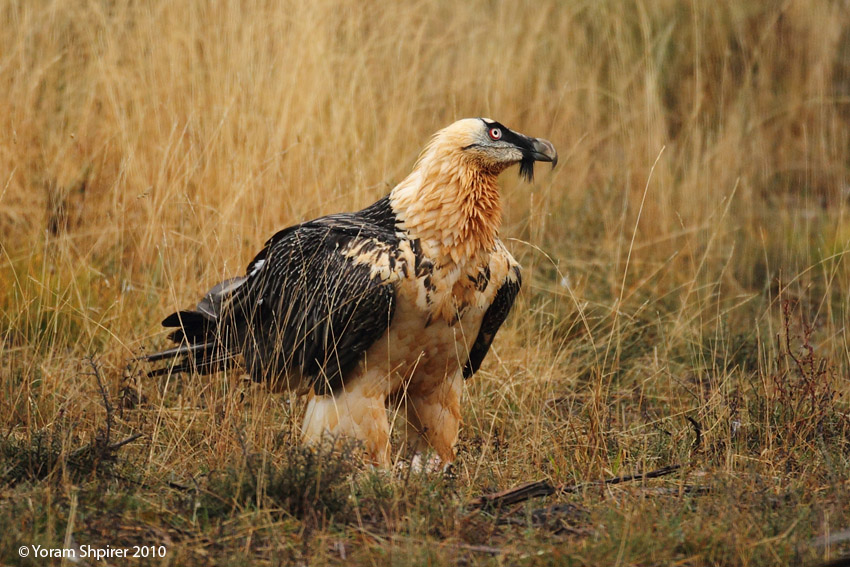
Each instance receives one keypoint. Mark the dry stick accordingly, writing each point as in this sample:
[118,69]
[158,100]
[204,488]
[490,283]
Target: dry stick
[118,445]
[104,445]
[541,488]
[697,431]
[106,405]
[108,448]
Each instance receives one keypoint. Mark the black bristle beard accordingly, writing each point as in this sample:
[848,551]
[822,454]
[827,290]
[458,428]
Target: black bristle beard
[526,169]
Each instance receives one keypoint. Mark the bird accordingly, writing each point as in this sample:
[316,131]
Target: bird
[392,306]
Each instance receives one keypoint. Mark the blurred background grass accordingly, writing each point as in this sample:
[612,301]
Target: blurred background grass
[687,257]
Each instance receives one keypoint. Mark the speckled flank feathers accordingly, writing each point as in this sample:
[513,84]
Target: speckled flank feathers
[392,305]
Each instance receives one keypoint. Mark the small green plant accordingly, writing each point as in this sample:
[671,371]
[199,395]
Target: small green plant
[311,483]
[413,503]
[50,453]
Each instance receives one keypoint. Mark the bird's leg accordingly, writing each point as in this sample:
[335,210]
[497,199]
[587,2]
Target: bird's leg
[352,414]
[433,420]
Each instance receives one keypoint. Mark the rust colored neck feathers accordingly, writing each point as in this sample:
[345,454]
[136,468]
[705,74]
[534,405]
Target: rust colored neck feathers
[451,203]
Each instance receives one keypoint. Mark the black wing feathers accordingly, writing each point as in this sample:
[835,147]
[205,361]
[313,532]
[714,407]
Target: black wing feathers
[314,309]
[302,308]
[493,319]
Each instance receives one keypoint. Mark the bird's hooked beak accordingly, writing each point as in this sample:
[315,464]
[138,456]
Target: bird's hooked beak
[543,150]
[536,149]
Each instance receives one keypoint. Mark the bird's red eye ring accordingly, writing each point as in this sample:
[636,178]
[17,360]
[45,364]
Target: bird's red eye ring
[495,133]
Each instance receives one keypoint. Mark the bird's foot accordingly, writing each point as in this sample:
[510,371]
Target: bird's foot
[428,463]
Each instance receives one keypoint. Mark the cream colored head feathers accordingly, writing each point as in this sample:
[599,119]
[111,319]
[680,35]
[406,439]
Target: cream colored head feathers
[451,199]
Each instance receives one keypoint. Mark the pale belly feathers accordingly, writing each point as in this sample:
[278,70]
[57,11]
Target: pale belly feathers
[438,314]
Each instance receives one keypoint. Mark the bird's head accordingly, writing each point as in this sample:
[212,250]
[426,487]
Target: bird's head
[450,201]
[490,146]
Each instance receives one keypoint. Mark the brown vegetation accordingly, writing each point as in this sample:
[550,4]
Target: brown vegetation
[688,258]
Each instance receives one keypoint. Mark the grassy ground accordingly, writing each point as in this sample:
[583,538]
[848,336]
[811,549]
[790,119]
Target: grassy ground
[687,259]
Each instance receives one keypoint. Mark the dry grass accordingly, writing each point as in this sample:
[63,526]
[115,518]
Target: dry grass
[687,258]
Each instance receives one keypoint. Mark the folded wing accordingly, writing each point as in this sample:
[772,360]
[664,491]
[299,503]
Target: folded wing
[306,309]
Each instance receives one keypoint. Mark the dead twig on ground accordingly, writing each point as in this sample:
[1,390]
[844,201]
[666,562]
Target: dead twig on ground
[102,447]
[543,488]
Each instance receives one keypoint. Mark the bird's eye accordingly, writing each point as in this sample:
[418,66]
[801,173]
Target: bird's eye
[495,133]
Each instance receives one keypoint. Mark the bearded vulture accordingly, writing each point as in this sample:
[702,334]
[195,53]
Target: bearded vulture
[396,303]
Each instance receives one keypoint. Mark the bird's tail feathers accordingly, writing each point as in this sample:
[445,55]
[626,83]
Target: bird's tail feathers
[201,347]
[193,326]
[204,358]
